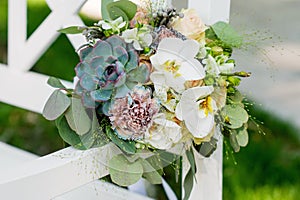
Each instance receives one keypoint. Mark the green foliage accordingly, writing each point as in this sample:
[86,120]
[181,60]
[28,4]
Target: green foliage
[123,172]
[123,8]
[150,173]
[188,184]
[72,30]
[227,34]
[207,148]
[55,82]
[189,179]
[77,117]
[104,11]
[56,105]
[235,116]
[66,133]
[125,145]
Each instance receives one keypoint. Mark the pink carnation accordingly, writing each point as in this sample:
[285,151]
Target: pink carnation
[132,116]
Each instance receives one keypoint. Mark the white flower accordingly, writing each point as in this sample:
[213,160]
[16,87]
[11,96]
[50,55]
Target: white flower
[190,25]
[175,60]
[164,133]
[140,38]
[218,65]
[166,96]
[116,24]
[196,108]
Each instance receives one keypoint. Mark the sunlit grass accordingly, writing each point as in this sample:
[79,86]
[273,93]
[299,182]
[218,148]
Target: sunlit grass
[269,192]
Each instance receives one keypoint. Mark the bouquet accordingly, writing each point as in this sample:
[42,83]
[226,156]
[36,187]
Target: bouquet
[154,82]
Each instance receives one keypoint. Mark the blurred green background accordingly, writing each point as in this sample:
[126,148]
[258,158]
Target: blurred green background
[267,169]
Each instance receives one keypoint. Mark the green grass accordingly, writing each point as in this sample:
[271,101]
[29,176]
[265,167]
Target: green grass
[268,168]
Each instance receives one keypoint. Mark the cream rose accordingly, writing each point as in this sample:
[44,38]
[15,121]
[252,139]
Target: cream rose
[190,25]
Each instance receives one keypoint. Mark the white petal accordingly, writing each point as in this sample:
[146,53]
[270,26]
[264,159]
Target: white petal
[211,65]
[130,34]
[146,40]
[199,127]
[122,25]
[175,82]
[106,26]
[165,135]
[192,70]
[137,45]
[178,111]
[195,93]
[189,49]
[155,62]
[226,67]
[172,45]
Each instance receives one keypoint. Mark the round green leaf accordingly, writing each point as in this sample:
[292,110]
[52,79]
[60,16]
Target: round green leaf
[122,8]
[236,115]
[115,12]
[233,141]
[56,105]
[71,30]
[55,82]
[66,133]
[150,173]
[124,173]
[227,34]
[77,117]
[125,145]
[104,12]
[242,137]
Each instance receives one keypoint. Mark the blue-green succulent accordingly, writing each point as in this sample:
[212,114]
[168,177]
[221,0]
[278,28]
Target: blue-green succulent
[108,70]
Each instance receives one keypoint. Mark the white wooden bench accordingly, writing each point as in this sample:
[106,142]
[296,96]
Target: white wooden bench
[70,173]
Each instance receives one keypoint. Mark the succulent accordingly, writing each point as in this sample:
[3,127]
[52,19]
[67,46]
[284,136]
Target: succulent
[109,69]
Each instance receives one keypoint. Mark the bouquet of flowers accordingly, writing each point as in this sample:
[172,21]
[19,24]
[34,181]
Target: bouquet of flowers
[155,82]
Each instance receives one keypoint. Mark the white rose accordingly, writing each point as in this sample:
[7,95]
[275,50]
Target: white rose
[190,25]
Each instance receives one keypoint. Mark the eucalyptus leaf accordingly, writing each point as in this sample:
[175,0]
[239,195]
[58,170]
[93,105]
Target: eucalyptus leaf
[124,173]
[191,159]
[227,34]
[87,140]
[115,12]
[166,157]
[104,12]
[150,173]
[207,148]
[188,184]
[55,82]
[72,30]
[242,136]
[156,163]
[125,145]
[233,141]
[236,116]
[237,97]
[66,133]
[97,132]
[77,117]
[120,8]
[56,105]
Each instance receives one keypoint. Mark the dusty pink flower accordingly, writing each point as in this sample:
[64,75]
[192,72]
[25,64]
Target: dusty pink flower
[141,17]
[132,115]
